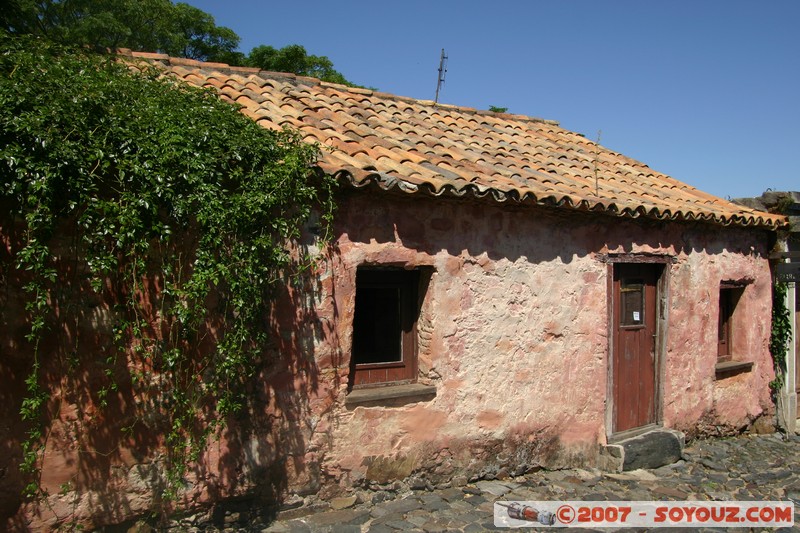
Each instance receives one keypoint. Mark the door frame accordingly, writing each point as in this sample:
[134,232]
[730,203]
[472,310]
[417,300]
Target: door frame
[662,318]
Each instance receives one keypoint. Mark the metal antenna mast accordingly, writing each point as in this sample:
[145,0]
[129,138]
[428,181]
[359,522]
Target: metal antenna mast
[442,73]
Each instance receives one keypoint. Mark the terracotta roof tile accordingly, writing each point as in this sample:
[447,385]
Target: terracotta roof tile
[413,146]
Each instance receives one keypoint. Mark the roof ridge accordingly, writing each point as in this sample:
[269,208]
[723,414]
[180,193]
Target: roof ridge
[168,60]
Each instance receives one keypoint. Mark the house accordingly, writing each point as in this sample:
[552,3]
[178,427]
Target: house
[501,294]
[507,293]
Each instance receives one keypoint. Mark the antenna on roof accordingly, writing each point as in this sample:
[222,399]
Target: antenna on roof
[440,79]
[596,155]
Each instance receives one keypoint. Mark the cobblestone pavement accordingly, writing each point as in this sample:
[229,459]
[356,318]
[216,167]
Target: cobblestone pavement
[764,467]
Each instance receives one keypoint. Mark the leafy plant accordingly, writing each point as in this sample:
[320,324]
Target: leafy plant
[781,335]
[149,25]
[294,58]
[177,29]
[495,109]
[182,209]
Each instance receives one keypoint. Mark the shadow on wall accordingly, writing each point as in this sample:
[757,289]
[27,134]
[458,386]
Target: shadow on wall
[267,447]
[512,231]
[105,437]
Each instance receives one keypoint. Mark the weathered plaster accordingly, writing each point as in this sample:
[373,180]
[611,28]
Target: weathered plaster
[514,327]
[513,333]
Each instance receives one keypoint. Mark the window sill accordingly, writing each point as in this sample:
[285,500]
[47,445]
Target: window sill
[732,367]
[390,395]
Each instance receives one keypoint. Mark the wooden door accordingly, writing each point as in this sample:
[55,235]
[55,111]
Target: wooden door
[634,358]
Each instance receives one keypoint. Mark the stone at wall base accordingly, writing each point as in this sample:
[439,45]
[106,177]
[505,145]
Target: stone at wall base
[652,449]
[611,458]
[763,425]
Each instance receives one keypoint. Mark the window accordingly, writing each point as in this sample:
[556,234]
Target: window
[632,303]
[732,356]
[729,295]
[384,327]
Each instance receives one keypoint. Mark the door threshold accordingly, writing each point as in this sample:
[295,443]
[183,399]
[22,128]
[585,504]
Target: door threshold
[628,433]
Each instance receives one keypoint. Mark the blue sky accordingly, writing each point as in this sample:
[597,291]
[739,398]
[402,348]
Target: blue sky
[703,90]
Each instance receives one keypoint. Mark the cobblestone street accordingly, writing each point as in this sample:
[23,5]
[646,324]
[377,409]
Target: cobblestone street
[743,468]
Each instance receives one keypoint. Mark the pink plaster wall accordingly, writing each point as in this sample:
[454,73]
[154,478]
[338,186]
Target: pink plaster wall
[513,333]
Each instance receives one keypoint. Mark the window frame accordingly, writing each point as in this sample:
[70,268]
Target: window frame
[725,325]
[730,293]
[637,313]
[404,371]
[730,358]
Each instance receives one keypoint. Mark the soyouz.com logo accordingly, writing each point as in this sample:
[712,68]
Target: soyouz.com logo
[643,514]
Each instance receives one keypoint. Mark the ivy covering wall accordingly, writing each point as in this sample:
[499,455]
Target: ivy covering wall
[180,210]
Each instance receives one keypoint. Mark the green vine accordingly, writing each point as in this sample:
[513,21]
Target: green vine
[781,335]
[183,209]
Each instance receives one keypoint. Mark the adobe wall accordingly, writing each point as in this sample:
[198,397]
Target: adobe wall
[104,460]
[513,334]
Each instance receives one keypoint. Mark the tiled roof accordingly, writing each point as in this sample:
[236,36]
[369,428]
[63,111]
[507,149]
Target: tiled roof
[415,146]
